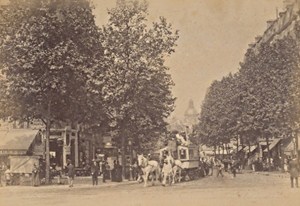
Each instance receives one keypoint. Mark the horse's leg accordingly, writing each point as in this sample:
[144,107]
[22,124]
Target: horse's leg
[158,174]
[152,179]
[174,174]
[164,178]
[179,175]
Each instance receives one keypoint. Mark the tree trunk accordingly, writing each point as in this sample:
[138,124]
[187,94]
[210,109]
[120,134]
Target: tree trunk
[268,149]
[48,125]
[123,155]
[297,145]
[237,143]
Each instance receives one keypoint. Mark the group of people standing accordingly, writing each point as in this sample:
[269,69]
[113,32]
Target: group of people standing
[98,168]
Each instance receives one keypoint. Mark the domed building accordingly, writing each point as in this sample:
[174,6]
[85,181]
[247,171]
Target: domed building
[191,115]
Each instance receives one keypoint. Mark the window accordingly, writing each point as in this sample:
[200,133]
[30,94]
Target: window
[182,154]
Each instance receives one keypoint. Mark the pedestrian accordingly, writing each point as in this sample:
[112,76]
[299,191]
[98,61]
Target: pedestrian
[105,169]
[59,173]
[35,175]
[7,174]
[294,171]
[94,172]
[211,166]
[119,172]
[220,167]
[234,168]
[71,173]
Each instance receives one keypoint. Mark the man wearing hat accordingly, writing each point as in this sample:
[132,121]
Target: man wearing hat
[71,173]
[294,171]
[94,172]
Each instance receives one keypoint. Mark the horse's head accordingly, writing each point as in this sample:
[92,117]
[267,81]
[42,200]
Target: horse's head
[142,161]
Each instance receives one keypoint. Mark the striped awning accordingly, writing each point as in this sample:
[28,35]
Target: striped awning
[272,145]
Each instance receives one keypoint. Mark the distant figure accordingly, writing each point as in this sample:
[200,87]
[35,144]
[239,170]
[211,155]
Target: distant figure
[234,168]
[7,174]
[211,166]
[220,167]
[71,173]
[59,173]
[105,169]
[94,172]
[294,171]
[35,175]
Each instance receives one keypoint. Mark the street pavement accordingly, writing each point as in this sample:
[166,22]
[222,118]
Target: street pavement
[249,188]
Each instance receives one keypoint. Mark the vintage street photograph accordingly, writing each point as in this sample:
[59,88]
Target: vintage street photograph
[149,102]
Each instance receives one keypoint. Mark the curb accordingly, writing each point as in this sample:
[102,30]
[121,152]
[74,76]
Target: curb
[65,186]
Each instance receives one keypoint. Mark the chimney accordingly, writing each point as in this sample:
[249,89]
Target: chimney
[251,45]
[258,38]
[270,23]
[281,14]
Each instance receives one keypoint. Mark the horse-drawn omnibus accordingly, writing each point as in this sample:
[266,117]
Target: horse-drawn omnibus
[189,157]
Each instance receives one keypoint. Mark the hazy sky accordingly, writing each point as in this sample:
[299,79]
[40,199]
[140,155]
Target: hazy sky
[214,36]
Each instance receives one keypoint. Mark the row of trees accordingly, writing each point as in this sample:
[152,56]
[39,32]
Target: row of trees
[261,100]
[57,65]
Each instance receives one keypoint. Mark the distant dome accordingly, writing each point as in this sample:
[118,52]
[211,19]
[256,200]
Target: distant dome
[191,111]
[190,115]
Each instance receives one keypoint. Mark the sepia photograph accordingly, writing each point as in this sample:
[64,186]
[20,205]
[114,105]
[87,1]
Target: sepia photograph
[149,102]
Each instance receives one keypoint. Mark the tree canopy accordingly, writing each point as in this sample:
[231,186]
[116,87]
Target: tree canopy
[260,101]
[139,86]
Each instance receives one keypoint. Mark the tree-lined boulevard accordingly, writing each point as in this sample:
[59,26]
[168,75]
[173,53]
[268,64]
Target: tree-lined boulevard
[104,96]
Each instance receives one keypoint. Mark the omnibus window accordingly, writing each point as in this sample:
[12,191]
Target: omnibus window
[182,154]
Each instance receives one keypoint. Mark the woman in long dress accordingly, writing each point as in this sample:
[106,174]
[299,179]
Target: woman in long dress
[35,176]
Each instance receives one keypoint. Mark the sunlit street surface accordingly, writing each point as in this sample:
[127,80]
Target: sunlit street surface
[245,189]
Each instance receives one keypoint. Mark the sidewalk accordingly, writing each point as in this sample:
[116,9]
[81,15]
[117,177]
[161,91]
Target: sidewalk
[79,182]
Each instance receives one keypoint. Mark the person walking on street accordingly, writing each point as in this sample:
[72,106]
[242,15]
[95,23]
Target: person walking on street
[95,172]
[294,171]
[234,168]
[71,173]
[220,167]
[104,170]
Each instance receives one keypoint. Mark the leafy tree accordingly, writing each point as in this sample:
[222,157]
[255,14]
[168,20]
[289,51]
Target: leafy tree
[261,100]
[139,86]
[50,54]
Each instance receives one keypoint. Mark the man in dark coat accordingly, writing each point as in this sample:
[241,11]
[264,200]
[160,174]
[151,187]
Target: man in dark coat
[294,171]
[94,172]
[70,173]
[105,170]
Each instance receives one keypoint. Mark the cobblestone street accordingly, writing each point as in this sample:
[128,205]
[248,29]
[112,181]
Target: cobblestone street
[245,189]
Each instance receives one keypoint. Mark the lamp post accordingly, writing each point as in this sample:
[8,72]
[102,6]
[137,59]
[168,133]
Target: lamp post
[130,163]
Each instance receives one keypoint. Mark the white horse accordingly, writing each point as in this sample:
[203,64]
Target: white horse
[148,167]
[171,168]
[167,170]
[177,169]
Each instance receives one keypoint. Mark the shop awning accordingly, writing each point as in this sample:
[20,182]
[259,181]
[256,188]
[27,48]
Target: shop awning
[23,164]
[272,145]
[16,139]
